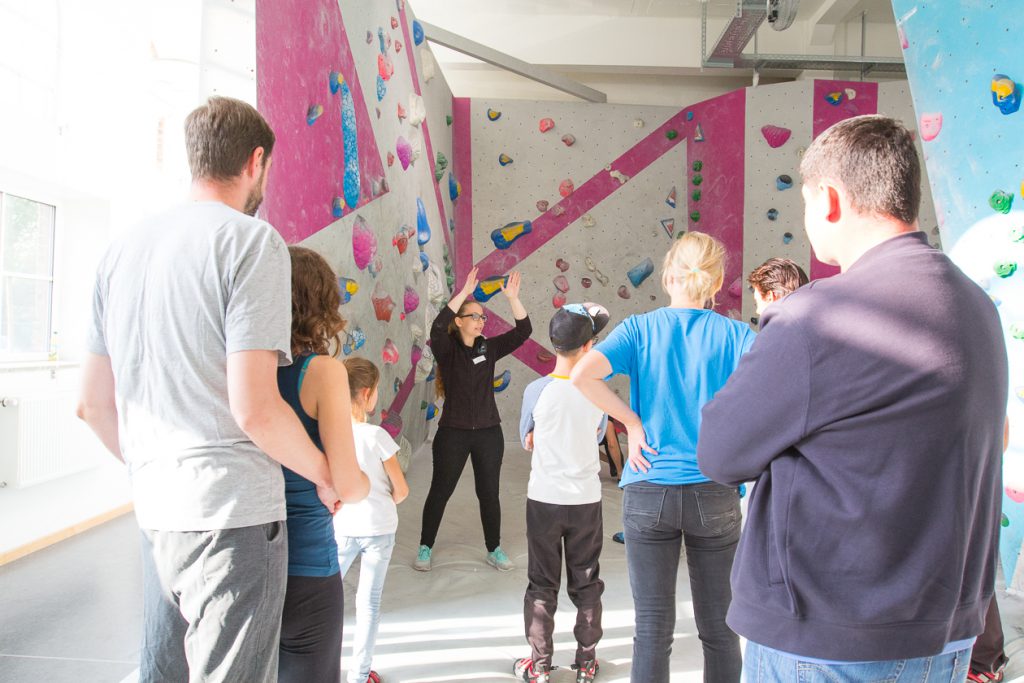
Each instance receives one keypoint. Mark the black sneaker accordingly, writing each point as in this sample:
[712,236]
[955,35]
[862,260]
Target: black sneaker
[587,671]
[523,669]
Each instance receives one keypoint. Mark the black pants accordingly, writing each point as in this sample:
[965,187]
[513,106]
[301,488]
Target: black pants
[580,528]
[314,607]
[988,653]
[451,447]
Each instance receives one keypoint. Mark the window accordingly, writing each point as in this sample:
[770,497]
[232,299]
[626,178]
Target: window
[26,277]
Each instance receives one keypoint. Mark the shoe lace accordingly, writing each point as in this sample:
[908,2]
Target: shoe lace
[499,555]
[424,553]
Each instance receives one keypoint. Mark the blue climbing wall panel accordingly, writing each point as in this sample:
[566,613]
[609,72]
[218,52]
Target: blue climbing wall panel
[965,66]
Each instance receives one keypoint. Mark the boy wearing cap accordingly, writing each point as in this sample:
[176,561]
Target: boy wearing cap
[563,429]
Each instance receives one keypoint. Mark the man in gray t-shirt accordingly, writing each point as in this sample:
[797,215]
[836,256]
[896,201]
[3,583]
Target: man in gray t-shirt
[191,318]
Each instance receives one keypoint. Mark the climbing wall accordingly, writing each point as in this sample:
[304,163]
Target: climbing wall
[966,73]
[362,118]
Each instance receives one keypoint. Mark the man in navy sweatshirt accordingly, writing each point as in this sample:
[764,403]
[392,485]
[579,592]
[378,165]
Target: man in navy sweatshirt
[870,411]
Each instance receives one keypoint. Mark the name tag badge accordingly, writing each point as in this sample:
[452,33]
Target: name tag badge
[479,359]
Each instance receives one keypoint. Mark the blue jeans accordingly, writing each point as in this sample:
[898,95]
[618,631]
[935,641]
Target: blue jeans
[765,665]
[657,519]
[373,569]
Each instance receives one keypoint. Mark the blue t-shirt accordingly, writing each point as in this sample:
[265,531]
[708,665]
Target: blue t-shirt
[676,360]
[312,550]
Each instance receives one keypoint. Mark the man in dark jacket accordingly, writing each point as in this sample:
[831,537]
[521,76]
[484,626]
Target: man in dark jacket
[870,411]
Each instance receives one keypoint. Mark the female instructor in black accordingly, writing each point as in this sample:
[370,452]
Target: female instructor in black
[470,425]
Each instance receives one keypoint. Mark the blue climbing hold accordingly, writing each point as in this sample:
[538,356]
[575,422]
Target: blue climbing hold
[689,116]
[334,81]
[502,381]
[787,238]
[380,37]
[417,32]
[424,261]
[640,272]
[422,226]
[382,88]
[488,287]
[454,187]
[338,207]
[350,181]
[783,182]
[504,237]
[772,214]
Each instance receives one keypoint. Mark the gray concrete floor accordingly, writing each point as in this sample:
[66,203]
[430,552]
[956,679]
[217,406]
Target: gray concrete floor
[72,613]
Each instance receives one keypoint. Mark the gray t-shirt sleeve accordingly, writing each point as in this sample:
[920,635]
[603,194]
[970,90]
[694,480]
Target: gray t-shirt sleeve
[530,397]
[258,314]
[95,339]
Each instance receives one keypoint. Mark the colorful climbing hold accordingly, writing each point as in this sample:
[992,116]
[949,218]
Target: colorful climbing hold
[689,116]
[698,165]
[773,214]
[851,94]
[545,356]
[410,301]
[566,187]
[493,115]
[736,288]
[389,353]
[671,198]
[1017,234]
[638,123]
[431,411]
[401,112]
[394,22]
[695,216]
[783,182]
[835,98]
[586,282]
[440,165]
[561,283]
[1017,331]
[385,69]
[775,136]
[562,264]
[623,292]
[1005,269]
[546,124]
[671,134]
[502,381]
[382,302]
[401,238]
[787,237]
[698,134]
[504,237]
[364,243]
[382,88]
[504,159]
[696,195]
[542,205]
[422,226]
[1004,521]
[346,288]
[569,140]
[404,150]
[391,159]
[619,175]
[488,287]
[697,179]
[354,340]
[930,126]
[588,221]
[1006,94]
[448,119]
[424,262]
[338,207]
[669,226]
[398,46]
[417,110]
[417,32]
[558,210]
[640,272]
[350,180]
[313,113]
[369,36]
[380,39]
[454,187]
[558,300]
[1001,201]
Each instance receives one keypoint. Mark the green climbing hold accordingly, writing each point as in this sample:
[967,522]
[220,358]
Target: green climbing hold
[1001,201]
[698,165]
[1004,521]
[696,195]
[671,134]
[423,405]
[698,179]
[695,216]
[1017,234]
[680,234]
[1017,331]
[448,119]
[1005,268]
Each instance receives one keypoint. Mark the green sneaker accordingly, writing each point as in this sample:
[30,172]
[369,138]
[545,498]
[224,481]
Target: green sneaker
[422,563]
[499,560]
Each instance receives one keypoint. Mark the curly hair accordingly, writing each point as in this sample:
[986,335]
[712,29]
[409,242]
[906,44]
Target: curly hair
[316,298]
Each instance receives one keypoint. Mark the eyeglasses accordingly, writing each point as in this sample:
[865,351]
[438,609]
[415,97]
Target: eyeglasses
[477,317]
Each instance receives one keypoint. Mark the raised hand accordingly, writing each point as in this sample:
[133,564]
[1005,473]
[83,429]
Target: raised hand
[470,284]
[511,288]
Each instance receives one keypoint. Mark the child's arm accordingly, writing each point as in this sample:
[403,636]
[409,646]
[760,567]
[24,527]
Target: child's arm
[528,441]
[399,487]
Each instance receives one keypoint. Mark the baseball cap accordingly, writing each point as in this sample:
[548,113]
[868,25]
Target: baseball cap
[573,325]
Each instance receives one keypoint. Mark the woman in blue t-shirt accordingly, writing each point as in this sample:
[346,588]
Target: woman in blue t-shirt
[676,358]
[315,385]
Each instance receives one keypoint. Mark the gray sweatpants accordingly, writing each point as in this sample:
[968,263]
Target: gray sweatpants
[212,604]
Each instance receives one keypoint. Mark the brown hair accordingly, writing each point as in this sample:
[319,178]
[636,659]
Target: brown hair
[453,330]
[316,321]
[362,374]
[779,275]
[221,135]
[698,260]
[875,160]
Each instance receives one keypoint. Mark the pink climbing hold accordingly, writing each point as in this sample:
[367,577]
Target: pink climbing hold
[561,284]
[569,140]
[382,302]
[558,210]
[904,43]
[394,22]
[562,264]
[398,46]
[391,159]
[404,150]
[624,292]
[384,67]
[931,125]
[1016,495]
[364,243]
[586,282]
[546,125]
[415,354]
[736,288]
[545,356]
[542,205]
[401,112]
[411,300]
[775,136]
[558,300]
[389,354]
[566,187]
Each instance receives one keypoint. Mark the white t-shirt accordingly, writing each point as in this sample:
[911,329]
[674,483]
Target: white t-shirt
[376,514]
[173,297]
[566,431]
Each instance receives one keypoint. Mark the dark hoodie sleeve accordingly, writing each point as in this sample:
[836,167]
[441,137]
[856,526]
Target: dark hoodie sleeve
[508,342]
[440,340]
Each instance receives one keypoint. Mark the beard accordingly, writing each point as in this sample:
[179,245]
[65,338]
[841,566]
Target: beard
[255,198]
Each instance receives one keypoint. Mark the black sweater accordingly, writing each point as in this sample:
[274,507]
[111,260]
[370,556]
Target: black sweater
[469,382]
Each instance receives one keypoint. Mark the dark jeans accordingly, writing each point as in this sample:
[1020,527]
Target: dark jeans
[580,528]
[451,448]
[706,517]
[311,629]
[988,653]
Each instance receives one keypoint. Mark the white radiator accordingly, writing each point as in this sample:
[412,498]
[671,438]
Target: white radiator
[42,439]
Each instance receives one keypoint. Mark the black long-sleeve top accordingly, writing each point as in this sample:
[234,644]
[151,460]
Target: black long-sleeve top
[468,372]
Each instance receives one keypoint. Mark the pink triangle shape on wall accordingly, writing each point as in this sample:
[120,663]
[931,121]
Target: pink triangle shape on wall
[292,76]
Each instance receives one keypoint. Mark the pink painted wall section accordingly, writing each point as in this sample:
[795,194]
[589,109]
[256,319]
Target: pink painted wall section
[827,113]
[723,121]
[462,168]
[298,44]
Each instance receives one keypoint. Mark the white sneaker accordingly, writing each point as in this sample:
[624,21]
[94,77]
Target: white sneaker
[499,560]
[422,563]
